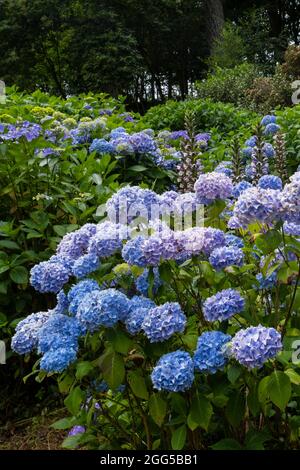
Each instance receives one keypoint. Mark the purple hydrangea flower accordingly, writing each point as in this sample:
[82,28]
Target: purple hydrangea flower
[212,186]
[257,204]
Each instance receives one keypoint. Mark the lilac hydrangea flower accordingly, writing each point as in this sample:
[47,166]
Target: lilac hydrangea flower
[223,305]
[25,339]
[257,204]
[254,346]
[107,240]
[163,321]
[226,256]
[290,200]
[212,186]
[76,430]
[291,229]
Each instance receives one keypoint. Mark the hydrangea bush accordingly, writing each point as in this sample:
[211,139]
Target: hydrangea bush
[176,338]
[176,360]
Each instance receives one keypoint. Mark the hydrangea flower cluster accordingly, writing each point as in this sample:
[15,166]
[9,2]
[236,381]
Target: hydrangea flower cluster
[212,186]
[163,321]
[138,310]
[211,353]
[223,305]
[226,256]
[270,182]
[174,372]
[25,339]
[290,200]
[257,204]
[254,346]
[27,130]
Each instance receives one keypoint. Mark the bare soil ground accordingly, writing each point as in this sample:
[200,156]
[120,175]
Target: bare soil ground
[32,434]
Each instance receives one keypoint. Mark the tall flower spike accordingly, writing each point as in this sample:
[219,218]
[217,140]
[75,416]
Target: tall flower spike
[280,158]
[189,168]
[259,165]
[237,162]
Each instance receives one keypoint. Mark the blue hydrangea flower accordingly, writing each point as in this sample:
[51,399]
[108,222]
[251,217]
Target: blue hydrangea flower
[270,182]
[153,250]
[107,240]
[163,321]
[212,186]
[211,353]
[102,308]
[25,339]
[233,240]
[58,360]
[257,204]
[290,200]
[62,305]
[142,282]
[48,277]
[271,129]
[224,167]
[101,146]
[266,282]
[174,372]
[142,143]
[223,305]
[138,309]
[268,119]
[78,291]
[117,132]
[131,202]
[226,256]
[213,238]
[291,229]
[175,135]
[85,265]
[133,252]
[75,244]
[60,331]
[254,346]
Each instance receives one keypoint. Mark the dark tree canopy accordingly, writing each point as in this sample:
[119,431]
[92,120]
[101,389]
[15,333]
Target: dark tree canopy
[147,49]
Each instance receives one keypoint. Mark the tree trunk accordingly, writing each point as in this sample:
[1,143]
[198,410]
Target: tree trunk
[214,12]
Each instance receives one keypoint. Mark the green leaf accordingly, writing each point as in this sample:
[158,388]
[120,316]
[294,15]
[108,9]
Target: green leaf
[293,376]
[179,438]
[9,244]
[113,369]
[279,389]
[74,400]
[227,444]
[201,411]
[233,373]
[82,369]
[263,391]
[19,275]
[235,409]
[120,342]
[137,168]
[269,241]
[157,408]
[138,385]
[64,423]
